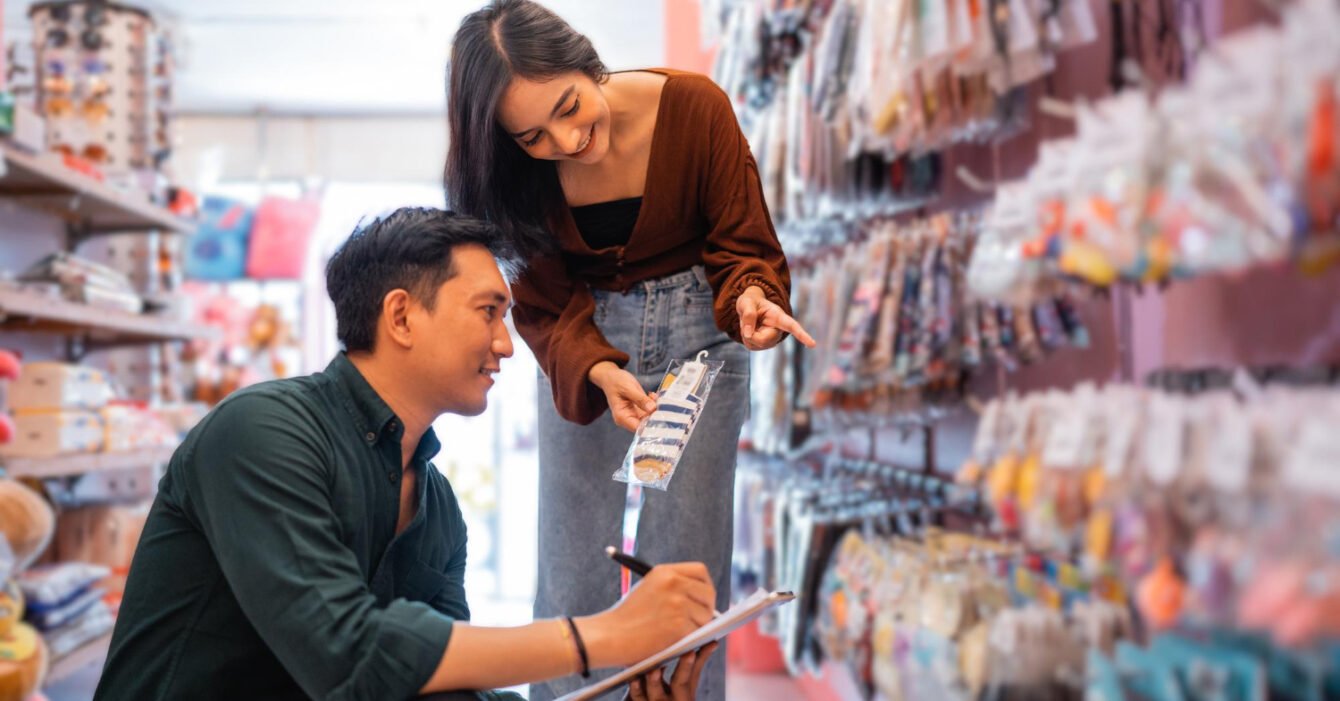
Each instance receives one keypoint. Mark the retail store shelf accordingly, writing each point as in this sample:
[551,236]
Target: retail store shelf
[81,463]
[92,652]
[28,311]
[44,183]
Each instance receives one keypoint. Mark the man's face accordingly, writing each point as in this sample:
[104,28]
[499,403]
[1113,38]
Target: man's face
[459,345]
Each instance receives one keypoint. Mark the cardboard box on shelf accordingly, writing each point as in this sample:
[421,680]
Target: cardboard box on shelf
[102,535]
[45,386]
[130,427]
[50,433]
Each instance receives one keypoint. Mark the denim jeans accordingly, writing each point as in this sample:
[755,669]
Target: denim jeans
[582,508]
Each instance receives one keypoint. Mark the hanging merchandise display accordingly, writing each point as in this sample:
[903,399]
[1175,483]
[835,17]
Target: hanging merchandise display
[898,334]
[846,102]
[218,250]
[1235,169]
[1198,503]
[792,514]
[278,246]
[1138,541]
[104,83]
[1211,513]
[1102,543]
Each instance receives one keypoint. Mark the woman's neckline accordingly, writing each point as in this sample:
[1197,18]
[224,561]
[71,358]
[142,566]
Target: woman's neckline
[622,200]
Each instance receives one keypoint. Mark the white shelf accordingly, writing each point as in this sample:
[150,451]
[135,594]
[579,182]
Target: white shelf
[83,463]
[43,182]
[22,310]
[92,652]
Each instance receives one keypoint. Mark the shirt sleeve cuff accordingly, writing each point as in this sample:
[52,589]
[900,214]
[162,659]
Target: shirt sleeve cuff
[424,638]
[575,397]
[728,320]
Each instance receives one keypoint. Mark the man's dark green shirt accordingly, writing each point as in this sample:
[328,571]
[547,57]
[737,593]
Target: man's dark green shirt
[270,567]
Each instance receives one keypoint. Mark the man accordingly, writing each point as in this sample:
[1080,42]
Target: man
[301,545]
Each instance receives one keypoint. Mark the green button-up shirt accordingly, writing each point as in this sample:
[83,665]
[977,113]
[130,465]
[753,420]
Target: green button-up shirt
[270,567]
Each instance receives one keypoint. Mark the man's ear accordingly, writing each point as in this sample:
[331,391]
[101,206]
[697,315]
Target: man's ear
[395,318]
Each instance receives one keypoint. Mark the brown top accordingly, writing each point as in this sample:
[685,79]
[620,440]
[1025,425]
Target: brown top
[703,204]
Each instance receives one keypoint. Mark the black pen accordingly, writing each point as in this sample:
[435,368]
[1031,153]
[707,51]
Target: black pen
[636,566]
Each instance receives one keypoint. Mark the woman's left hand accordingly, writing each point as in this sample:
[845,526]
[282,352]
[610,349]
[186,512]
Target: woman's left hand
[763,323]
[683,686]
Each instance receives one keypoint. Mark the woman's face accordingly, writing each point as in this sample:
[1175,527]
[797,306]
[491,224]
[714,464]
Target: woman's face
[562,119]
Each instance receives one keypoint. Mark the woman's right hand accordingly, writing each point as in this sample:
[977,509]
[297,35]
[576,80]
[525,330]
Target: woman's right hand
[629,403]
[669,603]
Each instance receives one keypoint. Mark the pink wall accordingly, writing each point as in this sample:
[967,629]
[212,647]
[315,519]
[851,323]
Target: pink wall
[683,45]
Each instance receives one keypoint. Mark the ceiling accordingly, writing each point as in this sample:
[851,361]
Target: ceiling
[349,56]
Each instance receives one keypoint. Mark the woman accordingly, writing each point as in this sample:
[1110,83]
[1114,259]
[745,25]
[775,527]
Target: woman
[638,204]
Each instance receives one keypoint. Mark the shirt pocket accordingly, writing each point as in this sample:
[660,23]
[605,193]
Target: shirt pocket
[432,587]
[423,583]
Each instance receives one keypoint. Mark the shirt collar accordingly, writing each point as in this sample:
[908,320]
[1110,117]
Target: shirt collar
[373,417]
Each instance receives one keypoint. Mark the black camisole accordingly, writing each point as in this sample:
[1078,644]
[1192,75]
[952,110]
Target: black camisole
[607,224]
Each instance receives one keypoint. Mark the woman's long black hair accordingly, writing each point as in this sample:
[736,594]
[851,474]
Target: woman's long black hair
[487,174]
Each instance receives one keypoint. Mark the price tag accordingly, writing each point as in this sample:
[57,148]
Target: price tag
[1123,421]
[1021,418]
[986,443]
[1070,429]
[1164,438]
[687,382]
[1053,175]
[1065,439]
[1230,445]
[1313,465]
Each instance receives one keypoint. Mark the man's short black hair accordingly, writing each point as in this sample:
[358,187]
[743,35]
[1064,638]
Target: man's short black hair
[408,249]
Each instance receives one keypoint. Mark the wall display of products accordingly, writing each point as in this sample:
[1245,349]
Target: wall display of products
[1215,509]
[832,94]
[61,408]
[65,602]
[257,344]
[80,280]
[790,514]
[104,83]
[90,434]
[1144,543]
[266,242]
[1131,543]
[898,333]
[26,524]
[1238,167]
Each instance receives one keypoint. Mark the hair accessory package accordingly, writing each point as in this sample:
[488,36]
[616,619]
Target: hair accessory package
[661,439]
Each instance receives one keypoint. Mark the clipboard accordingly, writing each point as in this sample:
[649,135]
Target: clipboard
[736,616]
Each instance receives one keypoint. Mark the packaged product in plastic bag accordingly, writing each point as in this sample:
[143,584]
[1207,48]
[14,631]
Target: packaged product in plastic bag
[661,439]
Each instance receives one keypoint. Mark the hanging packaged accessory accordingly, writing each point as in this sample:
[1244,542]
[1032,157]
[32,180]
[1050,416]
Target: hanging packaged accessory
[662,437]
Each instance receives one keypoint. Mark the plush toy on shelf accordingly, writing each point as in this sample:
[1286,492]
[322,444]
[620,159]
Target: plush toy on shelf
[23,654]
[27,524]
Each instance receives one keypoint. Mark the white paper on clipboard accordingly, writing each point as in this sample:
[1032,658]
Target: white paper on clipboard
[734,617]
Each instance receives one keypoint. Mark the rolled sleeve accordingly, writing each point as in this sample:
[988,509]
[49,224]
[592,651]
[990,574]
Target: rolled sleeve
[451,600]
[555,314]
[262,499]
[742,248]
